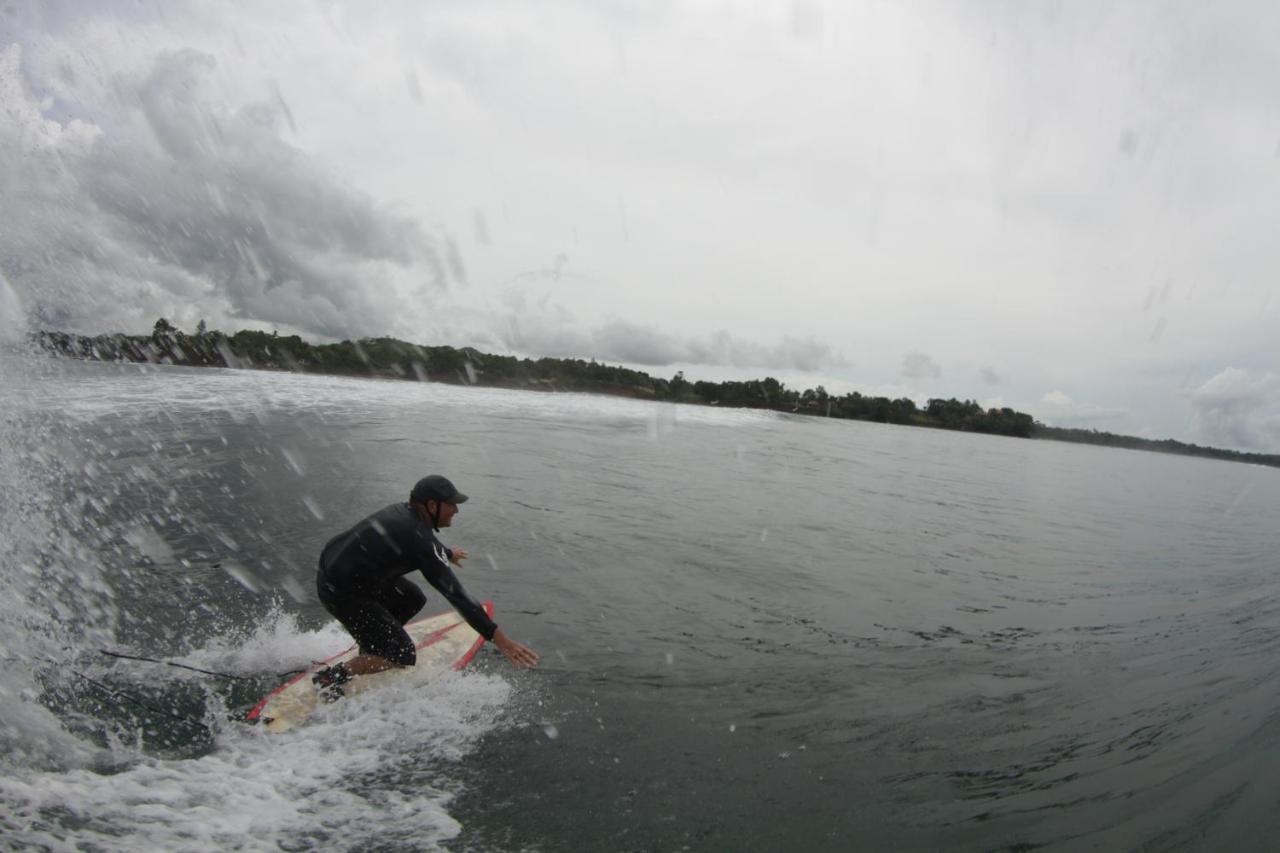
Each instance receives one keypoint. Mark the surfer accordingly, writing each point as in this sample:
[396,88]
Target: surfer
[362,581]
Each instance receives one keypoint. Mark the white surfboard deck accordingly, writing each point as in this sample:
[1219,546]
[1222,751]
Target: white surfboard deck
[444,642]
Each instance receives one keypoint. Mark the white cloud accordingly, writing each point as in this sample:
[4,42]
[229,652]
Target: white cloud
[1059,409]
[1238,409]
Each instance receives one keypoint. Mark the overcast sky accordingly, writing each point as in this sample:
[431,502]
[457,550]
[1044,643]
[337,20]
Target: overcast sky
[1067,208]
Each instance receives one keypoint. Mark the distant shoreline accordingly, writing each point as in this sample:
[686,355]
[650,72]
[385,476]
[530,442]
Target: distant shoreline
[388,358]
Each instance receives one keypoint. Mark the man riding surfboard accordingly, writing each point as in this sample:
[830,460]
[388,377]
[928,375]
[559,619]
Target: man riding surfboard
[362,581]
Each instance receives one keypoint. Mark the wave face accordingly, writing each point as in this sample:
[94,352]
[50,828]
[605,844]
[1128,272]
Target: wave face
[127,529]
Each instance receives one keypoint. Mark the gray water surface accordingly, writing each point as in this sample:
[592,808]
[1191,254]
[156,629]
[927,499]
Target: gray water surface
[758,631]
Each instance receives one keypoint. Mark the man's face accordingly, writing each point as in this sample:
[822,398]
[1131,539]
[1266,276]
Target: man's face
[447,512]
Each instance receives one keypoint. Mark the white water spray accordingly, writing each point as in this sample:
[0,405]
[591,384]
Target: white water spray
[55,601]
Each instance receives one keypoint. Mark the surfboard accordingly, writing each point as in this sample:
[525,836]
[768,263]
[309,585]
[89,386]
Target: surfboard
[444,642]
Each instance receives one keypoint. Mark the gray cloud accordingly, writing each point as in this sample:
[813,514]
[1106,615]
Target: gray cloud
[555,333]
[180,207]
[989,375]
[1237,409]
[918,365]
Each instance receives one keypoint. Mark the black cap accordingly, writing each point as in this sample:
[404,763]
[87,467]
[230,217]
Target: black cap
[435,488]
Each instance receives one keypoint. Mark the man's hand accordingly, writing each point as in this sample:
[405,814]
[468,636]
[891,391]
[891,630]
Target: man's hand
[518,653]
[457,555]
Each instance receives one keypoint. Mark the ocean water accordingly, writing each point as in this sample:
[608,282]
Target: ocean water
[758,631]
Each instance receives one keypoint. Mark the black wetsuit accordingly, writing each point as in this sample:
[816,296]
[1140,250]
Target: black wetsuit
[362,581]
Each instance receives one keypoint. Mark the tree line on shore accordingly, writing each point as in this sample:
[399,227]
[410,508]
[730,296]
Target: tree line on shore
[395,359]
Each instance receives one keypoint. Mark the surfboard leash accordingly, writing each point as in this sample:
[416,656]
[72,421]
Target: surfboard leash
[190,721]
[124,656]
[228,675]
[119,694]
